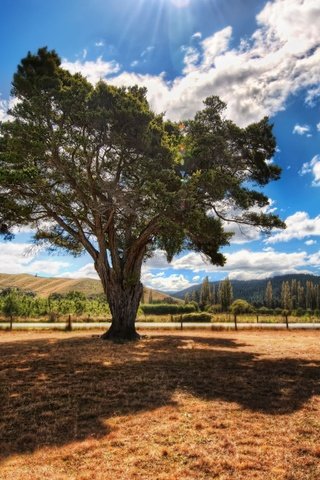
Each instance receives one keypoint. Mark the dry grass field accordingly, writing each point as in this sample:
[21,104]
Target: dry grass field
[189,405]
[44,286]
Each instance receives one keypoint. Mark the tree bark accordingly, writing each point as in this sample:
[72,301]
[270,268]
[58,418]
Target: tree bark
[124,303]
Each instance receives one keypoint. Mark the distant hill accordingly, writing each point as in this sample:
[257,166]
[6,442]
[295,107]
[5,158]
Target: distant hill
[45,286]
[254,290]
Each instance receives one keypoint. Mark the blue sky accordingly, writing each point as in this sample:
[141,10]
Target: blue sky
[261,58]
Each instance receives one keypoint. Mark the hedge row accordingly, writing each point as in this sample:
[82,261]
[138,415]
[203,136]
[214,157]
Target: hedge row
[167,309]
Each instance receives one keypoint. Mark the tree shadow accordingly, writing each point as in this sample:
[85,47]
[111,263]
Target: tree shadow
[53,392]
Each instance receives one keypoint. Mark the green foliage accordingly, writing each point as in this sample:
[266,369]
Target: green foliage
[241,306]
[265,311]
[29,306]
[113,178]
[216,308]
[225,294]
[10,305]
[167,309]
[197,317]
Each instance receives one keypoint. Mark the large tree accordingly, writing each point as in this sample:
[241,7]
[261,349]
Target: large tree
[95,169]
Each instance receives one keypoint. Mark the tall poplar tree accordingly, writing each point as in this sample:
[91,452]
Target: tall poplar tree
[268,295]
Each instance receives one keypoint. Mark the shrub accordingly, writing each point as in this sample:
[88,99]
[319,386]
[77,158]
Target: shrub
[264,311]
[196,317]
[241,306]
[167,309]
[216,308]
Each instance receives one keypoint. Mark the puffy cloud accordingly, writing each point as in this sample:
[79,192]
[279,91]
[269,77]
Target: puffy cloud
[246,264]
[318,126]
[310,242]
[299,226]
[214,46]
[87,271]
[170,283]
[254,79]
[312,167]
[92,70]
[196,36]
[301,129]
[6,105]
[22,258]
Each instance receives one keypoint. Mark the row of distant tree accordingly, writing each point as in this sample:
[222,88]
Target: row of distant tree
[209,295]
[294,296]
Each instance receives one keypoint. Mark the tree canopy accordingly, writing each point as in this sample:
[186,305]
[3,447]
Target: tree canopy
[94,168]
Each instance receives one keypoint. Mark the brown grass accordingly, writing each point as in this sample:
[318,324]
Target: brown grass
[200,405]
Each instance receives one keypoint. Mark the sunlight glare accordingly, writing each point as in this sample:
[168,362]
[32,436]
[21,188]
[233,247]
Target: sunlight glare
[180,3]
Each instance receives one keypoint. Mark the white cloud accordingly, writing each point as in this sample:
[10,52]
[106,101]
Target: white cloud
[312,95]
[246,264]
[254,79]
[157,261]
[92,70]
[22,258]
[99,44]
[171,283]
[214,46]
[318,126]
[196,278]
[310,242]
[191,58]
[299,226]
[87,271]
[6,105]
[301,129]
[196,36]
[312,167]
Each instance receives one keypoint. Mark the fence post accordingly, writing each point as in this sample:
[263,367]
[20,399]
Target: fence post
[235,322]
[69,324]
[181,324]
[287,323]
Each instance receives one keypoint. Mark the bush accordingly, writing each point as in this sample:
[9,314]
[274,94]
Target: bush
[264,311]
[197,317]
[216,308]
[241,306]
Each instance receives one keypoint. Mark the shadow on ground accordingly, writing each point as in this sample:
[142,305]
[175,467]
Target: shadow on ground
[53,392]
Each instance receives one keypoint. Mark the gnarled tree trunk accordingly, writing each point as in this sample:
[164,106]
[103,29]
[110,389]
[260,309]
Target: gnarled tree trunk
[124,303]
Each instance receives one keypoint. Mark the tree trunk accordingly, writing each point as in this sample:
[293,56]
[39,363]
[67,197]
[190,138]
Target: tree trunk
[124,303]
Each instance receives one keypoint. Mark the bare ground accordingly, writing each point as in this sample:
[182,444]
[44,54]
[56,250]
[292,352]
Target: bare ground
[189,405]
